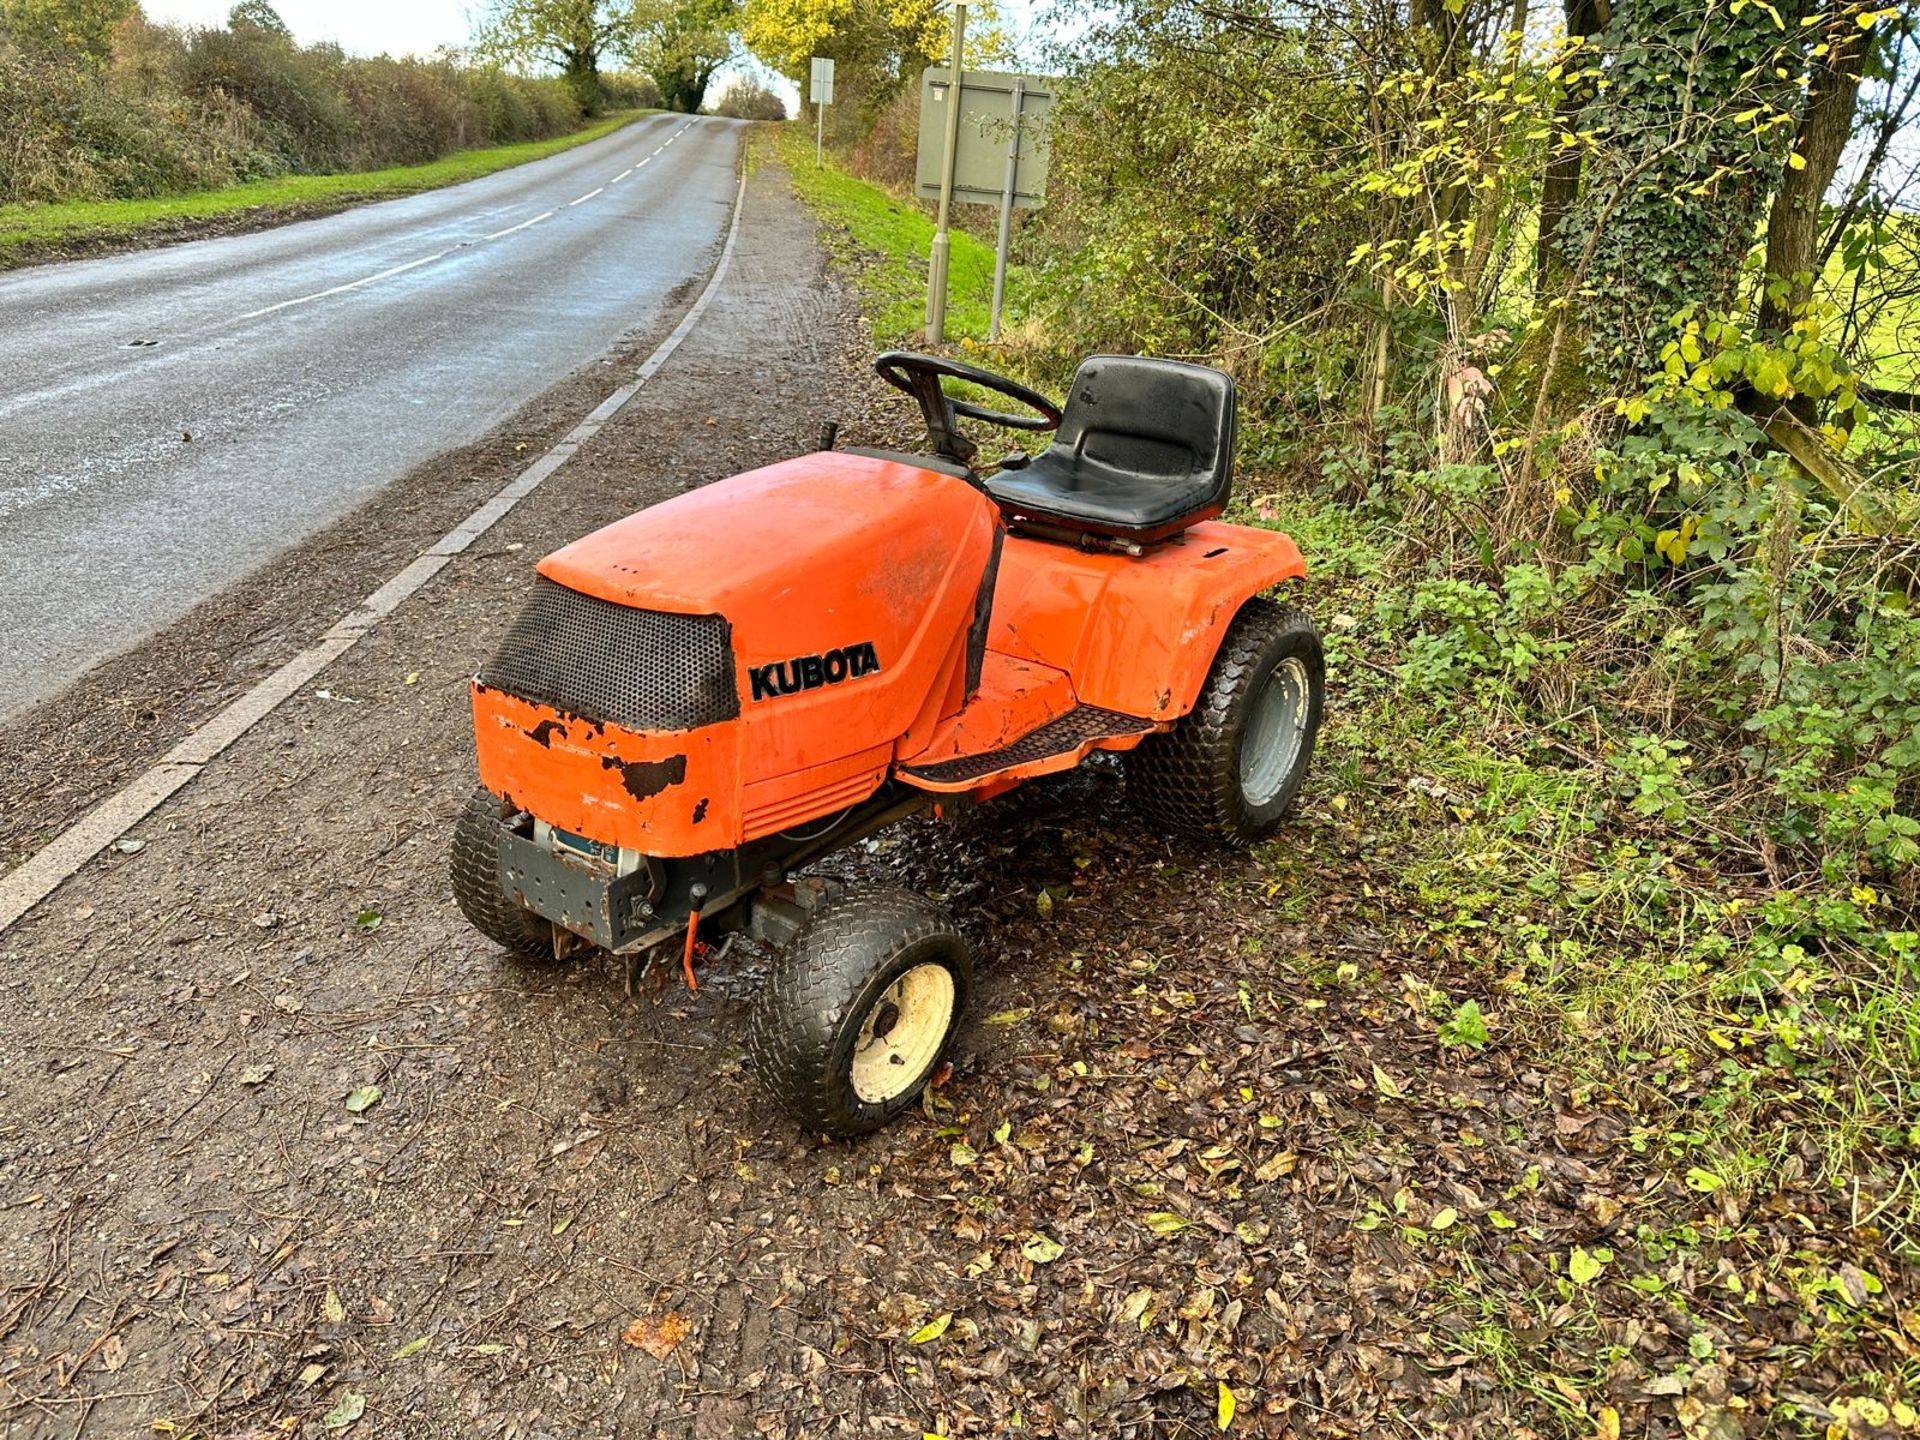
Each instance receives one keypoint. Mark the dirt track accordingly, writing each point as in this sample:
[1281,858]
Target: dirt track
[1140,1183]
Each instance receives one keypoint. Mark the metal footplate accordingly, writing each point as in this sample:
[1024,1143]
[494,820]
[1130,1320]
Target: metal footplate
[1057,745]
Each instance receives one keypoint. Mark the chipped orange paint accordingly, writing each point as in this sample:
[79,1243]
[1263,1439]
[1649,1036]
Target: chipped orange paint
[830,551]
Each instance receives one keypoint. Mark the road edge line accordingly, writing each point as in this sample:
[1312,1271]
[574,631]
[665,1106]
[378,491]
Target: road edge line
[61,858]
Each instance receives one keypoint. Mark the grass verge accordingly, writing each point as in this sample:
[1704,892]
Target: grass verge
[886,238]
[31,232]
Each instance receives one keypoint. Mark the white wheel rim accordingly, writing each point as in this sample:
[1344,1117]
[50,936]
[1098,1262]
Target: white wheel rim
[901,1033]
[1276,725]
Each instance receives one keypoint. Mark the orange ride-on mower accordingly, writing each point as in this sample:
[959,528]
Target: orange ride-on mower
[701,699]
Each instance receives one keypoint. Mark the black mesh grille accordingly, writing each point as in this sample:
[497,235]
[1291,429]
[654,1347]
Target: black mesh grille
[639,669]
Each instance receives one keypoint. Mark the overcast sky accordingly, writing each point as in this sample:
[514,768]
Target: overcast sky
[364,27]
[413,27]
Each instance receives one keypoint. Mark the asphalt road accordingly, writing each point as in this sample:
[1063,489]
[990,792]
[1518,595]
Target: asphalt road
[310,365]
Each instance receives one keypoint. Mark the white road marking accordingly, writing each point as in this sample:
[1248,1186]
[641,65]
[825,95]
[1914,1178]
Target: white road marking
[586,197]
[350,285]
[30,882]
[623,174]
[543,215]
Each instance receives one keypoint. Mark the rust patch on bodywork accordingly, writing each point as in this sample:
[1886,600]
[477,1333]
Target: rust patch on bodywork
[543,733]
[645,779]
[700,810]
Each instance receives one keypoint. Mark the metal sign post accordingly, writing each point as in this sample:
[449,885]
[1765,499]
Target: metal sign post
[1006,207]
[937,259]
[984,145]
[820,90]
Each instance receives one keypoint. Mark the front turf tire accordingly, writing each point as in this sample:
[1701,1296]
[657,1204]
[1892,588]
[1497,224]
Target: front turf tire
[474,863]
[860,1011]
[1232,767]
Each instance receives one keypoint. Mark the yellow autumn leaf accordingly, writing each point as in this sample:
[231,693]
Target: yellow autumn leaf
[932,1330]
[1384,1083]
[1226,1406]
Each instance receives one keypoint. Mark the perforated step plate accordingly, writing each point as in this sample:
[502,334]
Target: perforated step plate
[1080,727]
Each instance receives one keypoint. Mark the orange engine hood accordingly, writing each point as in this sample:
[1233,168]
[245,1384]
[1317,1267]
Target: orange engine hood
[819,531]
[848,585]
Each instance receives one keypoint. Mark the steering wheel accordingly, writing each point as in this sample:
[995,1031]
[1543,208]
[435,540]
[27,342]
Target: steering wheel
[920,375]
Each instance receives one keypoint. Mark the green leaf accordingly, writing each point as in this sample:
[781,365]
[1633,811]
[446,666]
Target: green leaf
[1467,1026]
[1582,1267]
[411,1348]
[932,1330]
[1705,1181]
[1384,1083]
[363,1099]
[351,1407]
[1165,1222]
[1500,1220]
[369,920]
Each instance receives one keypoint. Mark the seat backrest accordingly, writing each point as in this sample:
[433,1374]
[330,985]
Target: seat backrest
[1154,419]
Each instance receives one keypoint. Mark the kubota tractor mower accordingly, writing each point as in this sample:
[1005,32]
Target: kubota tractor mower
[701,699]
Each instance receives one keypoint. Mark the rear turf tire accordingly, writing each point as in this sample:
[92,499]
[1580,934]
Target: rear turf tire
[474,863]
[1233,766]
[860,1011]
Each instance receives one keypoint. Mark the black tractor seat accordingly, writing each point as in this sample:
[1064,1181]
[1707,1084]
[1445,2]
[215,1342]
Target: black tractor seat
[1144,449]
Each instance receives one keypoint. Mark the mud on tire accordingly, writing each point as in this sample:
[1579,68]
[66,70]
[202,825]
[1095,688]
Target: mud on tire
[812,1031]
[1191,778]
[474,863]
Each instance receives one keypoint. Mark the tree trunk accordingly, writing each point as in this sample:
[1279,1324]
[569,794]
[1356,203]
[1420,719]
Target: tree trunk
[582,74]
[1560,184]
[1793,226]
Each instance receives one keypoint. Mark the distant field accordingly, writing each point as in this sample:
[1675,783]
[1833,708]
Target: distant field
[30,232]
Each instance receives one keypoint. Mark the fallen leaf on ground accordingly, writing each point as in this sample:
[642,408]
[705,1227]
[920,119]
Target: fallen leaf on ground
[1042,1249]
[659,1335]
[363,1099]
[932,1330]
[351,1407]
